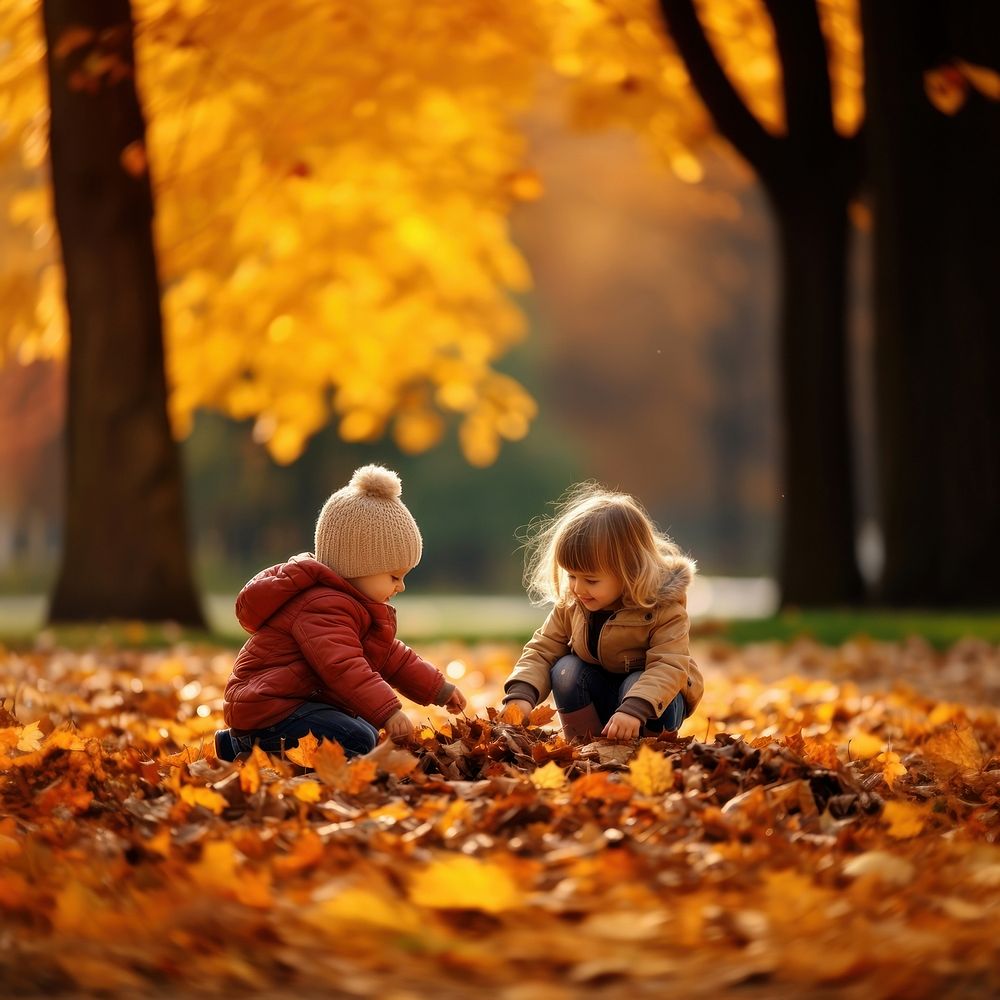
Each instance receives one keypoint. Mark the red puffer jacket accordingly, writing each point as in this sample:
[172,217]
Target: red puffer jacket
[315,638]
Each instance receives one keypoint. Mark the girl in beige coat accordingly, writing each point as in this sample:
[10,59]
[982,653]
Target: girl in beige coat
[614,649]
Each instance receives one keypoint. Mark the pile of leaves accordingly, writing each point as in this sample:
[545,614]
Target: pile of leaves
[817,828]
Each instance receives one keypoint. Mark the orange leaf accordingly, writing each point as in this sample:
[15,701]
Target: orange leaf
[329,760]
[954,749]
[541,715]
[303,754]
[250,775]
[599,785]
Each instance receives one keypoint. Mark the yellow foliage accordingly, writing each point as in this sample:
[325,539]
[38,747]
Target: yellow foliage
[368,908]
[332,187]
[30,738]
[904,818]
[333,183]
[550,776]
[307,791]
[205,797]
[464,883]
[650,772]
[892,767]
[862,746]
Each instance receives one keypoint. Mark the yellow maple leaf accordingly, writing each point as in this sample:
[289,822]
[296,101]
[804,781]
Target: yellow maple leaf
[651,772]
[307,791]
[550,776]
[205,797]
[30,738]
[465,883]
[892,767]
[904,818]
[304,753]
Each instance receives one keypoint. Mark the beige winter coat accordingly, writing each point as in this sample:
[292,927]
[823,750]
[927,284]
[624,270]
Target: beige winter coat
[653,640]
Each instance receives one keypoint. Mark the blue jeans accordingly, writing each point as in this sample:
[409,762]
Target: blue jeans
[324,721]
[576,684]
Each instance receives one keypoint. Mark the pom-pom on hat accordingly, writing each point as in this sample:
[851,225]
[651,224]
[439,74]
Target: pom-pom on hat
[365,528]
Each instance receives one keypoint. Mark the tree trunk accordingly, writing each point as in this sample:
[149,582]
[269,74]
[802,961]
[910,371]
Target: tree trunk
[124,549]
[937,353]
[809,173]
[818,562]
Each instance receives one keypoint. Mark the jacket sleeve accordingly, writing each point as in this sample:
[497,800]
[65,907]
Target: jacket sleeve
[669,666]
[548,643]
[412,675]
[329,640]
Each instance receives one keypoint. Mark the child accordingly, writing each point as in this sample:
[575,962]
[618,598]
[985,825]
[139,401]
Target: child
[323,657]
[614,649]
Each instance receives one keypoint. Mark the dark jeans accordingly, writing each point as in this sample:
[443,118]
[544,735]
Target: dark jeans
[576,684]
[325,722]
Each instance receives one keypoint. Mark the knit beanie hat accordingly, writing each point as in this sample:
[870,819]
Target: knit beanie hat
[364,528]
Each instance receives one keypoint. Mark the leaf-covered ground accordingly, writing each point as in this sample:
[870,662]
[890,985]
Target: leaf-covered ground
[825,825]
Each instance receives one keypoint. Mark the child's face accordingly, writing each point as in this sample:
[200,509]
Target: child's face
[381,587]
[595,591]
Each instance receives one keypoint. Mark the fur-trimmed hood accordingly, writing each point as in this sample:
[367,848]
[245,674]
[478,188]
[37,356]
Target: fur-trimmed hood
[677,577]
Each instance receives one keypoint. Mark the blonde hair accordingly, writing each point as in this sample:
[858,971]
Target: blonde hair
[595,530]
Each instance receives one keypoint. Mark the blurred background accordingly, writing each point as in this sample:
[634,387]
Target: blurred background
[636,253]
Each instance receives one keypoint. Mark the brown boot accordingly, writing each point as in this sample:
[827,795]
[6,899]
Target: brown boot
[582,725]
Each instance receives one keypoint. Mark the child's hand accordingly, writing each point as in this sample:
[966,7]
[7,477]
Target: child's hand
[513,706]
[456,703]
[622,726]
[398,727]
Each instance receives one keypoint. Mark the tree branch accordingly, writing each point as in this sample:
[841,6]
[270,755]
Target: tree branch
[805,74]
[732,117]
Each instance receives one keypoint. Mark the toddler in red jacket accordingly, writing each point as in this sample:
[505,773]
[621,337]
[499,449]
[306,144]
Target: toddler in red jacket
[323,657]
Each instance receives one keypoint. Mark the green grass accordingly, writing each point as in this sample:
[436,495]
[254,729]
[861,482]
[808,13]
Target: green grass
[940,629]
[471,620]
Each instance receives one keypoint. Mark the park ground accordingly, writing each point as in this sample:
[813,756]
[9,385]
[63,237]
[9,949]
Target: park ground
[825,825]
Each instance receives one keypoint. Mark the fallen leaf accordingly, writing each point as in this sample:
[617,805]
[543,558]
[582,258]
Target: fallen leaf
[550,776]
[651,773]
[204,797]
[30,738]
[465,883]
[904,818]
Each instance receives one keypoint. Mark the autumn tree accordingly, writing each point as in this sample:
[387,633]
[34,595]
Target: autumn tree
[810,172]
[782,90]
[124,549]
[934,156]
[330,234]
